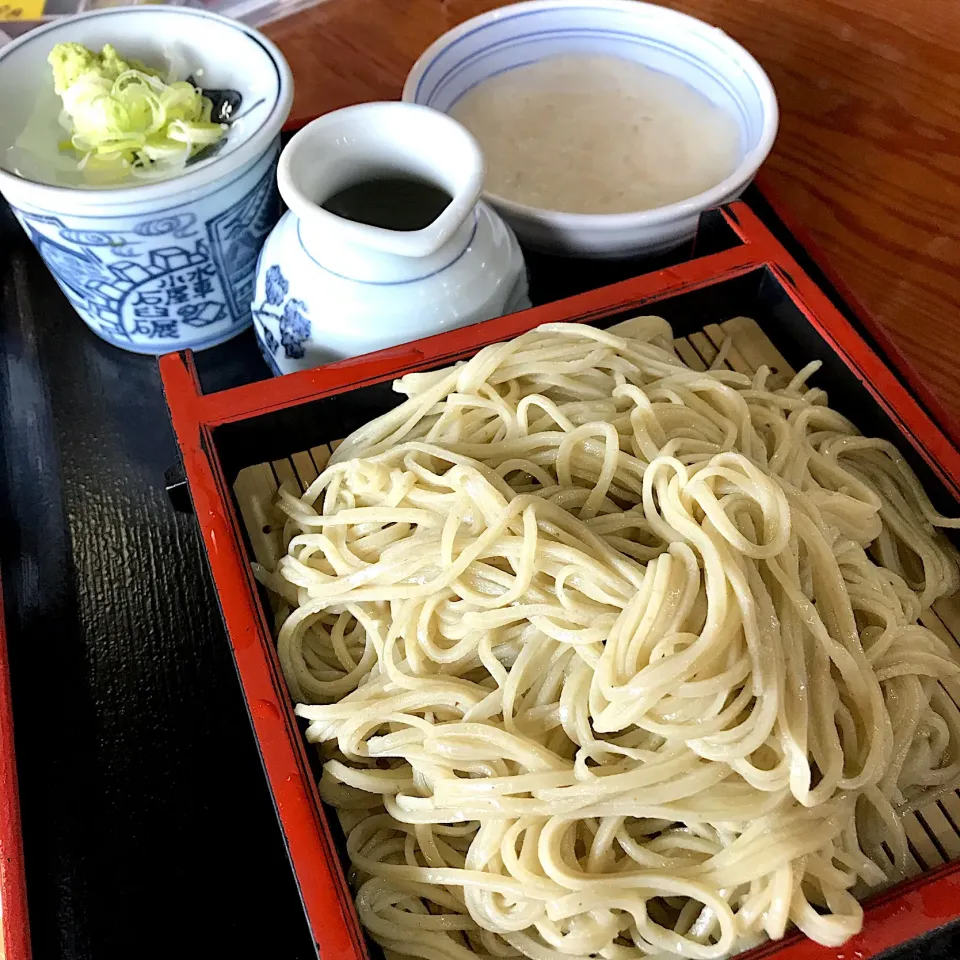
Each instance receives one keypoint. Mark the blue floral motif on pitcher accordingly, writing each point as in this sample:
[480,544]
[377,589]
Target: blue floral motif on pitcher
[287,313]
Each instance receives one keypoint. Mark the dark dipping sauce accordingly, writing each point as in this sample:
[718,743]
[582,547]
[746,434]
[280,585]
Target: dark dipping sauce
[394,203]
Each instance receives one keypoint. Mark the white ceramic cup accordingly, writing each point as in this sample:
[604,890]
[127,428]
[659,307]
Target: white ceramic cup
[662,39]
[150,266]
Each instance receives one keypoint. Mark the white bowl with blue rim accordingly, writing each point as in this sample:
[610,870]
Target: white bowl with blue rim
[151,266]
[659,38]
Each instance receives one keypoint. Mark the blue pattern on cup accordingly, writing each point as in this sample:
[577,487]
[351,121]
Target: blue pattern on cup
[184,278]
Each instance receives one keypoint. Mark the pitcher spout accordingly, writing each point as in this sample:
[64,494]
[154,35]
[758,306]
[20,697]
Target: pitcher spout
[382,143]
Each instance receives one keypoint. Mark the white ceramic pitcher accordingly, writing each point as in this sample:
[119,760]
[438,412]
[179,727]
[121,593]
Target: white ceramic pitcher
[330,287]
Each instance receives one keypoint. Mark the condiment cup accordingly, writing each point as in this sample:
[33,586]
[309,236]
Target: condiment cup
[150,266]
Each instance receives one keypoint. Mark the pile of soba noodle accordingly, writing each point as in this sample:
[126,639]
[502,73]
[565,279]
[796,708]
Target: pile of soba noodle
[608,657]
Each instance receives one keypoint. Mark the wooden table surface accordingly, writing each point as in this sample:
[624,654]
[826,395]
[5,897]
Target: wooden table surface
[867,159]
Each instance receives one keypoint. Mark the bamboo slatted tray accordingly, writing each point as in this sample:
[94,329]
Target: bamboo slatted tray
[933,832]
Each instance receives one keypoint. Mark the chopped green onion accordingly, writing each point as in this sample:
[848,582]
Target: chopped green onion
[123,119]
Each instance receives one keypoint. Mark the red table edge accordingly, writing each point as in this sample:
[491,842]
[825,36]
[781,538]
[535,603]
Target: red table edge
[14,918]
[892,917]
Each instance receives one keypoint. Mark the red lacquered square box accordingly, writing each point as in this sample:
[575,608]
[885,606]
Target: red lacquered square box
[237,445]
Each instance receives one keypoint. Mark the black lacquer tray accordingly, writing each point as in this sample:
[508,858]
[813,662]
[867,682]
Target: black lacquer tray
[148,828]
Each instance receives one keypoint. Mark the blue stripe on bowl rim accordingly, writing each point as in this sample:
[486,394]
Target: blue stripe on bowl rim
[584,33]
[523,14]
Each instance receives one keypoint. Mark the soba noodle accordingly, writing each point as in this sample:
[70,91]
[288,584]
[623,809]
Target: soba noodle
[608,657]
